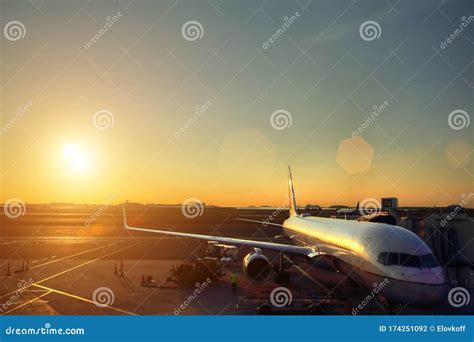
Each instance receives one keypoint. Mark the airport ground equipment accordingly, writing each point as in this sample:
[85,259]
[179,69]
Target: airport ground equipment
[148,281]
[188,274]
[305,303]
[227,254]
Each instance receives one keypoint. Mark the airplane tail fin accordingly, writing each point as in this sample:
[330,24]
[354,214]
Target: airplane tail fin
[291,194]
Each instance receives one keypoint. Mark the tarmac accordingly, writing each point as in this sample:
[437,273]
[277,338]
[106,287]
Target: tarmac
[80,268]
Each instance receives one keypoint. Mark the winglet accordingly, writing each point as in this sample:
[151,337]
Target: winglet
[291,194]
[125,225]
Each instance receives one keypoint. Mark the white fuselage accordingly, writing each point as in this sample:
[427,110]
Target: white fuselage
[360,249]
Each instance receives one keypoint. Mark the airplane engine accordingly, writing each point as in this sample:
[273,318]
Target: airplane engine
[256,266]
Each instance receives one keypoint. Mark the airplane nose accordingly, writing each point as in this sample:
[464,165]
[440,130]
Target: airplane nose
[432,285]
[431,277]
[416,291]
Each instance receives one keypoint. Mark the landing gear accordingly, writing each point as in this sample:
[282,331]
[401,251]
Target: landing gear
[281,277]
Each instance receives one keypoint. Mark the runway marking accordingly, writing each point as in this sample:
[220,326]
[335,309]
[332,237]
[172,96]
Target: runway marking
[38,260]
[70,256]
[83,264]
[10,242]
[81,298]
[72,268]
[28,302]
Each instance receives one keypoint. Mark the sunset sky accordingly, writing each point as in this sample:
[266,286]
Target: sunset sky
[145,77]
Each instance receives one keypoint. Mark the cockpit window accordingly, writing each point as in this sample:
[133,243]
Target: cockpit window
[407,260]
[382,259]
[388,259]
[428,261]
[392,259]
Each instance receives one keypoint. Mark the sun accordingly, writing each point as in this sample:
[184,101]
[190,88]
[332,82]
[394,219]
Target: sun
[76,159]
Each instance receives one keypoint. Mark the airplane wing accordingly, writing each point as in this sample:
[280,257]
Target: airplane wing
[278,247]
[261,222]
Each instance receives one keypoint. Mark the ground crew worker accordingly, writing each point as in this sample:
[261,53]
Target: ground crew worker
[233,281]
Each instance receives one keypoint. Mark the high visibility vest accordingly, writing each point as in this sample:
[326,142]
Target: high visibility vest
[233,278]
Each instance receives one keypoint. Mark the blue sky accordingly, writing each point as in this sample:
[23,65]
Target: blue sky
[319,70]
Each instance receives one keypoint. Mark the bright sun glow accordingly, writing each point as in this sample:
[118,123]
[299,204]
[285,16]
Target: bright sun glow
[75,158]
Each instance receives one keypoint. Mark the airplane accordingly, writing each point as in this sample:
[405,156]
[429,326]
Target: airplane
[350,211]
[366,252]
[369,214]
